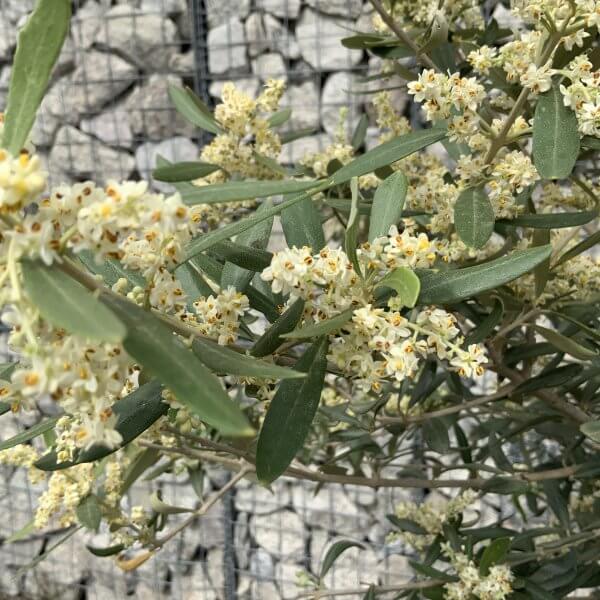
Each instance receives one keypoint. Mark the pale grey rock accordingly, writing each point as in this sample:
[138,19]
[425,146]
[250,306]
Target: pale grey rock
[287,576]
[258,500]
[506,18]
[394,570]
[174,149]
[303,99]
[164,7]
[82,156]
[269,65]
[148,40]
[15,10]
[214,569]
[364,23]
[345,8]
[44,127]
[220,11]
[151,112]
[364,497]
[8,37]
[247,85]
[99,78]
[285,9]
[265,590]
[111,127]
[337,94]
[399,97]
[4,82]
[265,32]
[242,541]
[227,47]
[261,565]
[281,534]
[294,151]
[182,64]
[86,22]
[330,509]
[319,37]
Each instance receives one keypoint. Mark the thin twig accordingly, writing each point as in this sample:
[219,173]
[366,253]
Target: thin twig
[382,589]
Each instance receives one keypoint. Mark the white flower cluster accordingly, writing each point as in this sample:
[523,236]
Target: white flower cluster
[583,94]
[496,585]
[431,516]
[377,344]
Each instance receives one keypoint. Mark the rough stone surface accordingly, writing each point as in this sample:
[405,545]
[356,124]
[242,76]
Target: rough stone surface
[4,81]
[110,126]
[337,94]
[288,9]
[148,40]
[86,22]
[281,534]
[294,151]
[220,11]
[265,32]
[99,78]
[260,500]
[345,8]
[162,7]
[319,37]
[80,155]
[8,39]
[304,101]
[151,112]
[269,65]
[227,47]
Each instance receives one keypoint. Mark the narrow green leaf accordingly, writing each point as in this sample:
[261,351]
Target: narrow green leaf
[552,220]
[236,191]
[193,109]
[22,533]
[108,551]
[582,246]
[370,594]
[557,503]
[405,283]
[7,369]
[487,326]
[388,204]
[505,486]
[360,132]
[110,270]
[555,136]
[157,504]
[272,338]
[280,117]
[154,346]
[245,256]
[271,164]
[321,328]
[387,154]
[88,513]
[29,434]
[592,430]
[474,217]
[566,344]
[335,551]
[192,281]
[290,415]
[65,303]
[38,48]
[184,171]
[493,554]
[452,286]
[291,136]
[435,434]
[221,359]
[140,464]
[351,239]
[257,237]
[406,525]
[135,413]
[554,378]
[206,241]
[301,225]
[541,273]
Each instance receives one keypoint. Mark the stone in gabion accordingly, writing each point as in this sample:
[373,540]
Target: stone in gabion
[345,8]
[339,92]
[148,40]
[282,534]
[8,38]
[220,11]
[227,47]
[303,99]
[151,113]
[286,9]
[99,77]
[86,22]
[110,126]
[319,37]
[261,565]
[264,32]
[164,7]
[84,157]
[269,65]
